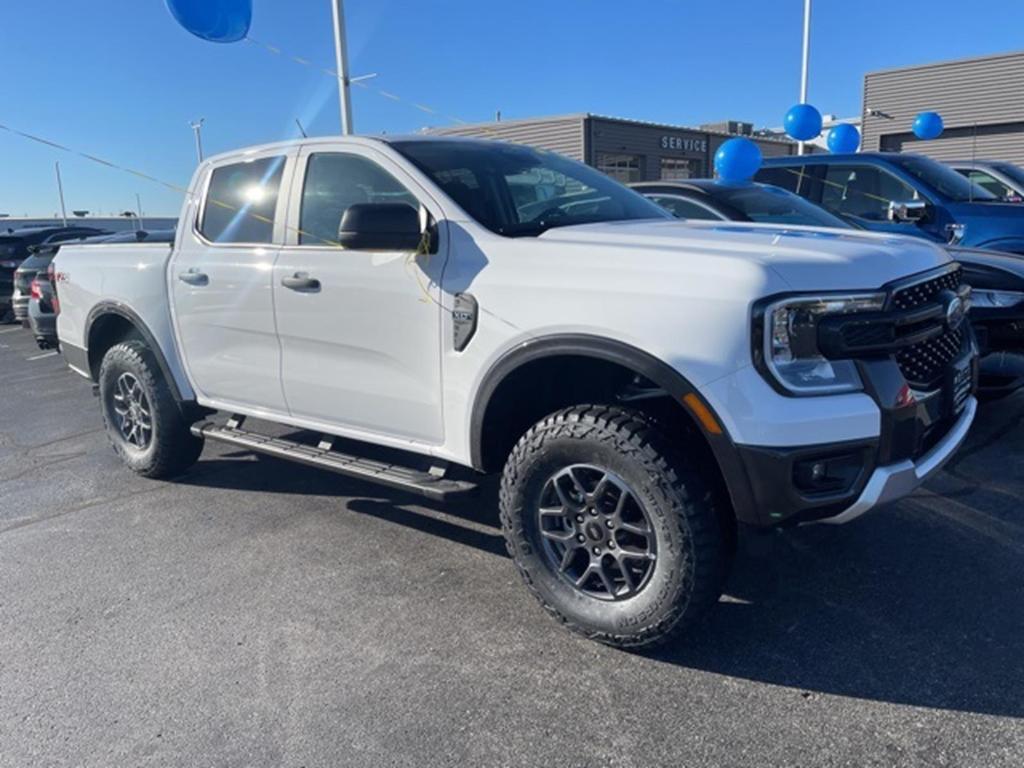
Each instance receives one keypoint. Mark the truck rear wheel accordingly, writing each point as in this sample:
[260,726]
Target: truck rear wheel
[612,529]
[143,422]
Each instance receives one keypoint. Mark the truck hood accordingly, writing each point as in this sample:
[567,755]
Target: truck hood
[993,224]
[807,258]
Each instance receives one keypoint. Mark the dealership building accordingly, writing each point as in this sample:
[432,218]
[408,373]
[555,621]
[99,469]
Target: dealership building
[628,150]
[981,101]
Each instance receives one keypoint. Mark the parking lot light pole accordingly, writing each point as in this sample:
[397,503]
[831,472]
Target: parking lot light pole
[60,191]
[197,129]
[341,62]
[804,62]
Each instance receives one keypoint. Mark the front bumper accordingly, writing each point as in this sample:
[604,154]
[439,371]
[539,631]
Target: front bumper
[840,472]
[894,481]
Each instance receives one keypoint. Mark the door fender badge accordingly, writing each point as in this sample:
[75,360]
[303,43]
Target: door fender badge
[464,315]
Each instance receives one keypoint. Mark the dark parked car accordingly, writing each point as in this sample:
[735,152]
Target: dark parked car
[43,304]
[1004,180]
[901,193]
[997,278]
[15,247]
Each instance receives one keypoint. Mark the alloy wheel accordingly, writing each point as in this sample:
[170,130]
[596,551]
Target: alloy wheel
[595,532]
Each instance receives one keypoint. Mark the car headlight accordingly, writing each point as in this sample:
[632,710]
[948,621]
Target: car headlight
[790,344]
[983,298]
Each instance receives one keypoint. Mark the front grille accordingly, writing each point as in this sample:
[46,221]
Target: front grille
[918,294]
[924,365]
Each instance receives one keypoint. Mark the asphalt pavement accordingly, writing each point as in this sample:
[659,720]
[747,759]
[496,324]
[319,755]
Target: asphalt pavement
[259,613]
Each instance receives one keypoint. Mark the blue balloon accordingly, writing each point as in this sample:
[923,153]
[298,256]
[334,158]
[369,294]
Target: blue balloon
[737,160]
[803,122]
[928,125]
[218,21]
[843,138]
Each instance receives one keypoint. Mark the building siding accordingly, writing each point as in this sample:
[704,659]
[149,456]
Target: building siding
[558,134]
[981,102]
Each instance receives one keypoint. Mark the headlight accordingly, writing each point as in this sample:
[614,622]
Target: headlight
[986,299]
[791,354]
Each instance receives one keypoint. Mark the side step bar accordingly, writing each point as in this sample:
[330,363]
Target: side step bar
[432,484]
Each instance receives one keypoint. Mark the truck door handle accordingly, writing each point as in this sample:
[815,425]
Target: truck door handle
[194,277]
[301,281]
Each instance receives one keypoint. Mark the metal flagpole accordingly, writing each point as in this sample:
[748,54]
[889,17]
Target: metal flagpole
[60,191]
[806,57]
[341,60]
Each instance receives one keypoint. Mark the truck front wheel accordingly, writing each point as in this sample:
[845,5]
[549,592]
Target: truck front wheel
[611,527]
[143,422]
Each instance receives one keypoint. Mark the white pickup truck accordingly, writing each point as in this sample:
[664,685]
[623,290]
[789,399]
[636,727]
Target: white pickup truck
[468,307]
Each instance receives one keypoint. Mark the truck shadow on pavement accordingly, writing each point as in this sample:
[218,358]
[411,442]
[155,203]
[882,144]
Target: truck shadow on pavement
[920,603]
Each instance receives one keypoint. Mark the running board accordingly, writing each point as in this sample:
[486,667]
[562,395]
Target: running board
[433,484]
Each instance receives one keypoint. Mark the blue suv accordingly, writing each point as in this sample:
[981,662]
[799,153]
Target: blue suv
[901,193]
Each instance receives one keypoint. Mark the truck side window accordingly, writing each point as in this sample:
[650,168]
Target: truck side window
[241,201]
[781,176]
[992,184]
[334,181]
[863,191]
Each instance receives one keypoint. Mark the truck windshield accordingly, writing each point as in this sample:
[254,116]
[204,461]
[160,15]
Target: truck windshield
[942,178]
[771,205]
[520,191]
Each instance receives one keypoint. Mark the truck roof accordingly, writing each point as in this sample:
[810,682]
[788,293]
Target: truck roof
[365,141]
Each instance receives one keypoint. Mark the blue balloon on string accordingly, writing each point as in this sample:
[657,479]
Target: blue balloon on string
[843,138]
[218,21]
[803,122]
[737,160]
[928,125]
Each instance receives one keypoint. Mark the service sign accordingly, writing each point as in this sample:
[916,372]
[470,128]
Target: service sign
[684,143]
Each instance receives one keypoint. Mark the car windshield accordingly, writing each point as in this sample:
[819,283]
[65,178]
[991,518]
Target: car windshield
[520,191]
[753,202]
[942,178]
[1012,172]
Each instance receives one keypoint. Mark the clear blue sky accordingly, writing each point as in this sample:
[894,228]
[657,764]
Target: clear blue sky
[120,79]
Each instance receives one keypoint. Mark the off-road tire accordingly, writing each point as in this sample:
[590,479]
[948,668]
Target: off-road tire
[693,554]
[172,448]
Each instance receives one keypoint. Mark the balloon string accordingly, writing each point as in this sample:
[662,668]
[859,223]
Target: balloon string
[358,83]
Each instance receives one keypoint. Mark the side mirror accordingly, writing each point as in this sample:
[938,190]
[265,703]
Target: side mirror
[908,211]
[380,227]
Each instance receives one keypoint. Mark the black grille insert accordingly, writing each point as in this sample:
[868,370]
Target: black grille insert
[924,365]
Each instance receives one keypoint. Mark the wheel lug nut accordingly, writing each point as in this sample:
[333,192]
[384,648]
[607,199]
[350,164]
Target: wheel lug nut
[580,538]
[597,550]
[609,523]
[579,518]
[593,512]
[611,544]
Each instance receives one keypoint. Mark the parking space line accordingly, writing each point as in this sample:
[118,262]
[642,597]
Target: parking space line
[10,330]
[51,353]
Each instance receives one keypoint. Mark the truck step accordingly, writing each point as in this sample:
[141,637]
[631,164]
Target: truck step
[433,484]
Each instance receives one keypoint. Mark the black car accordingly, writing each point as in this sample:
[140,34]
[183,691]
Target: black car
[15,247]
[997,278]
[43,304]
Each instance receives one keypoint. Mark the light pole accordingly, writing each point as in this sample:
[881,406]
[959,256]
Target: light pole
[60,191]
[197,129]
[341,62]
[806,57]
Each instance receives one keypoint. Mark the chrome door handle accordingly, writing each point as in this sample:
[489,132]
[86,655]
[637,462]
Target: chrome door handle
[301,281]
[194,277]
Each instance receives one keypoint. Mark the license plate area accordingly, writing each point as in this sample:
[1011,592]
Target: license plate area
[961,383]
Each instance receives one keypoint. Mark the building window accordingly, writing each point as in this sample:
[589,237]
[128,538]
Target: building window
[673,168]
[624,168]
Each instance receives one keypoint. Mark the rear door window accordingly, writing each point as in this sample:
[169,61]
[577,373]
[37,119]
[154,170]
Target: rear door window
[242,200]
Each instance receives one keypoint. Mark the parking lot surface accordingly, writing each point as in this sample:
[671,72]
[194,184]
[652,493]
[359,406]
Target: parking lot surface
[258,613]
